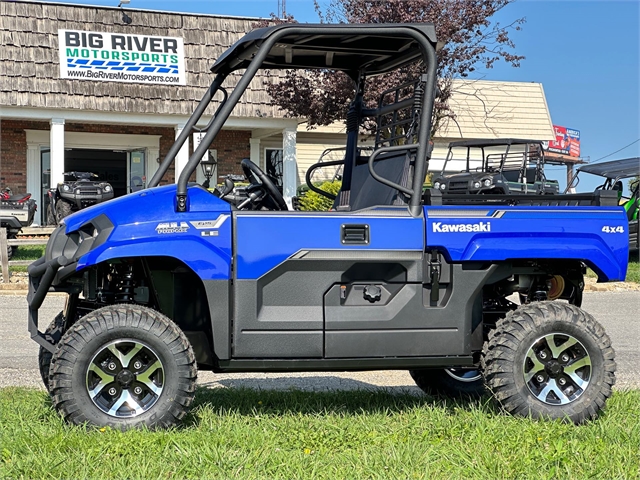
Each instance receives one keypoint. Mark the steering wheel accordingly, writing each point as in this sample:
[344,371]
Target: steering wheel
[250,169]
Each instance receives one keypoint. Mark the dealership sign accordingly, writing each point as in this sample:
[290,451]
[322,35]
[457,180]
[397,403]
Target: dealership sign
[567,142]
[116,57]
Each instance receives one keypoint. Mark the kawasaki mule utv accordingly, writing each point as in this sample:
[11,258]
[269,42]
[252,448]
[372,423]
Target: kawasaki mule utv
[170,279]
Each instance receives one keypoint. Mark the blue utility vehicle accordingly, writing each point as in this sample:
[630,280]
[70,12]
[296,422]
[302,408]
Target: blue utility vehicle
[172,279]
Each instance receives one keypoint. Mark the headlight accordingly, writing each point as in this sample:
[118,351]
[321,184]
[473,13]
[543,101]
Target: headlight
[476,184]
[436,185]
[107,188]
[487,182]
[442,187]
[79,242]
[66,188]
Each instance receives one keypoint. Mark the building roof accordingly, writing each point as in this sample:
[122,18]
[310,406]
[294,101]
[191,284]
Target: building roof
[29,56]
[485,109]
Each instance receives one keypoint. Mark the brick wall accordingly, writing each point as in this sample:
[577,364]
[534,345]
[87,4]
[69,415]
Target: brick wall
[232,147]
[13,153]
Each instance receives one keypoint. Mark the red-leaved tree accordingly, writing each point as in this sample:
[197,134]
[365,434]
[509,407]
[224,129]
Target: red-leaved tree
[470,41]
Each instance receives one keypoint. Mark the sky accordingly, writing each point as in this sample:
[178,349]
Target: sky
[586,54]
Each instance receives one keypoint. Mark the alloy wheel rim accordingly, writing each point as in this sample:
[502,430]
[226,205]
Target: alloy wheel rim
[467,375]
[125,378]
[557,369]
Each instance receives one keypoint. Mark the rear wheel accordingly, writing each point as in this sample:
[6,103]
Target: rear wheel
[453,382]
[550,360]
[124,366]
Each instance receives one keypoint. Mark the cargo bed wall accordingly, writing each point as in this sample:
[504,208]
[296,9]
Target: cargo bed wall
[604,198]
[597,236]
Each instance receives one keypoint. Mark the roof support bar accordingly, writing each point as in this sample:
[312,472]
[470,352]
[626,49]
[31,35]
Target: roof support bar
[186,131]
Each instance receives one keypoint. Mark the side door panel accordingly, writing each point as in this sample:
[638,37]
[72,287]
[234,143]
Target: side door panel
[288,264]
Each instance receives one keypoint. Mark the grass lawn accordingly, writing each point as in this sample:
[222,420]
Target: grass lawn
[633,272]
[29,252]
[267,434]
[26,252]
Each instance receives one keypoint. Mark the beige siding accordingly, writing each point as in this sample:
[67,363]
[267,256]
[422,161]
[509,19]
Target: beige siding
[486,109]
[458,161]
[310,147]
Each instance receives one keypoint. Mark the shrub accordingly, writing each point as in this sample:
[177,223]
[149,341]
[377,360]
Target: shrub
[311,201]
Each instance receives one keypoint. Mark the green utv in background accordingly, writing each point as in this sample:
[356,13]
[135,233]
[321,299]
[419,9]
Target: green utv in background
[613,173]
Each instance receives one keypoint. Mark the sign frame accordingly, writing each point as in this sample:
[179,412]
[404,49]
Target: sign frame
[120,57]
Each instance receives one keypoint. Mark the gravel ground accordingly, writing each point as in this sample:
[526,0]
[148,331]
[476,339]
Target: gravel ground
[619,312]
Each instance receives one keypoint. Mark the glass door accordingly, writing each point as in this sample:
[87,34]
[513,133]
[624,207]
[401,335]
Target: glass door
[137,171]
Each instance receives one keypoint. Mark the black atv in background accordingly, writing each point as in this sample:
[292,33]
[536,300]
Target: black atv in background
[16,212]
[79,190]
[495,166]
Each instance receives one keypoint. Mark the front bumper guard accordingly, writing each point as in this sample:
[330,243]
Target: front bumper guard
[41,275]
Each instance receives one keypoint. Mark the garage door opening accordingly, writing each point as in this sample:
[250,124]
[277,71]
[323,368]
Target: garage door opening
[109,165]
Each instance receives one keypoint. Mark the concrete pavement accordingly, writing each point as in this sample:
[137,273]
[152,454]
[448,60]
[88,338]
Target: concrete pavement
[619,312]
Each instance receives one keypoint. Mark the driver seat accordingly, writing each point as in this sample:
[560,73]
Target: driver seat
[367,192]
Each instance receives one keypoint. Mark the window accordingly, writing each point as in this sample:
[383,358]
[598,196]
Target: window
[273,163]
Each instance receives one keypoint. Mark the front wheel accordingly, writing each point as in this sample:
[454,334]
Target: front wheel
[550,360]
[53,333]
[51,218]
[123,366]
[63,209]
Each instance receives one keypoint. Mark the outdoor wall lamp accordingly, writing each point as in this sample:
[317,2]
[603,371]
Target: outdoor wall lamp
[207,164]
[125,18]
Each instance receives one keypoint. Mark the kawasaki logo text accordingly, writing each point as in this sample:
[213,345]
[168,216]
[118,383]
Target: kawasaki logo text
[461,227]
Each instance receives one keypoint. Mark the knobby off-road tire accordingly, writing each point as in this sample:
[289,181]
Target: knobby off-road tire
[51,218]
[123,366]
[63,209]
[550,360]
[451,382]
[10,250]
[53,333]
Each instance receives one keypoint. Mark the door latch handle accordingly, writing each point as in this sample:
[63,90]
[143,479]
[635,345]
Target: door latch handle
[354,234]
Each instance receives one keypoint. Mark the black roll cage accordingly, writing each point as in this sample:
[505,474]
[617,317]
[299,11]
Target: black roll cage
[251,51]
